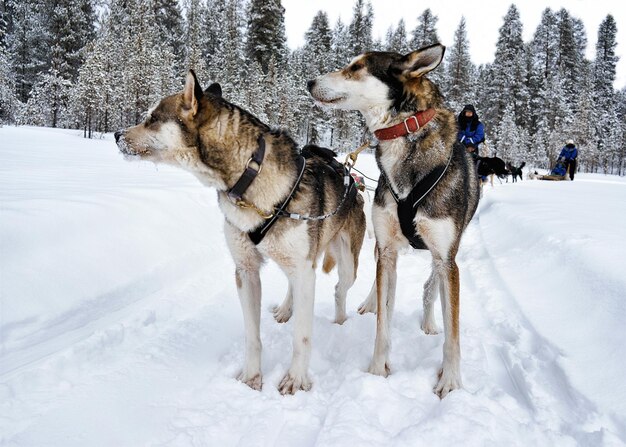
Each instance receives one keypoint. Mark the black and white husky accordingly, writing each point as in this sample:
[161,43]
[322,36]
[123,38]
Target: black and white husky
[427,193]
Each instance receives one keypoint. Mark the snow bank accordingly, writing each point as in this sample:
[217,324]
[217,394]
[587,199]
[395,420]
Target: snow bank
[120,323]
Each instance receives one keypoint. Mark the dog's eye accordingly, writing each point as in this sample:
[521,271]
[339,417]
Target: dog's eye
[151,119]
[356,67]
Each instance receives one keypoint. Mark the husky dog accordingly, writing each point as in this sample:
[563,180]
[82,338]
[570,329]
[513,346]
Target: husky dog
[490,167]
[392,93]
[221,144]
[515,171]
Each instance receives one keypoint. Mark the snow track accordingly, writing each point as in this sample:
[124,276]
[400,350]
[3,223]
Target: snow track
[141,345]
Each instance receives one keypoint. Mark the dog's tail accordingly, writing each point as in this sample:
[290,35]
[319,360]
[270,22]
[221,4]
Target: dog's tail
[329,262]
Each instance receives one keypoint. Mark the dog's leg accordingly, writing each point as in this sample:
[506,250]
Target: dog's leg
[297,377]
[450,374]
[385,291]
[347,275]
[249,288]
[369,305]
[282,313]
[430,296]
[247,266]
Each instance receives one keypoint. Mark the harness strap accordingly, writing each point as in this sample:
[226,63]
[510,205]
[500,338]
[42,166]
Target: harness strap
[407,207]
[249,174]
[257,235]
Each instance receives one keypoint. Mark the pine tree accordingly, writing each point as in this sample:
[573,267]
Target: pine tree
[461,71]
[360,29]
[169,19]
[317,53]
[341,53]
[266,33]
[194,42]
[27,44]
[425,33]
[397,39]
[604,77]
[7,88]
[570,58]
[509,73]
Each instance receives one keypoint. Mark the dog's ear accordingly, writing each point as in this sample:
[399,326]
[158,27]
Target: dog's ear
[192,93]
[420,62]
[214,89]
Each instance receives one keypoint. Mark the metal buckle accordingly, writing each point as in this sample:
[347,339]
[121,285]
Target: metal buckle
[259,166]
[417,124]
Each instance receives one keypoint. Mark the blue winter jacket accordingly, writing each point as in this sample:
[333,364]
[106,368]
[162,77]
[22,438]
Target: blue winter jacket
[471,137]
[568,153]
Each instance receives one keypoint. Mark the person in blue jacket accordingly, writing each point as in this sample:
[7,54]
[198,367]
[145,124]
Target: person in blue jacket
[471,130]
[568,156]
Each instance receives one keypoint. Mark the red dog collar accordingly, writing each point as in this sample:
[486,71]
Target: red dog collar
[410,125]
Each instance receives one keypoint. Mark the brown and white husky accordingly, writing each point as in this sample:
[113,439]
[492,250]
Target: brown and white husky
[417,139]
[226,147]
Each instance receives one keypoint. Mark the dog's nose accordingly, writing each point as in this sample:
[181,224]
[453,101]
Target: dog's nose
[310,84]
[118,135]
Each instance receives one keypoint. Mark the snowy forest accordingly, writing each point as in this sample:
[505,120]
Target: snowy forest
[98,66]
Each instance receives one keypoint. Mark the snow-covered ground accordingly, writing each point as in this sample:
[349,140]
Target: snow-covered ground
[120,323]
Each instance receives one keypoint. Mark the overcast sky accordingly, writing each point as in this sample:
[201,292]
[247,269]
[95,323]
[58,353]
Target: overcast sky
[484,19]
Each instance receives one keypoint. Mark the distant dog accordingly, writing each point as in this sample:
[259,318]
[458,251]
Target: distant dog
[261,178]
[428,189]
[515,172]
[490,167]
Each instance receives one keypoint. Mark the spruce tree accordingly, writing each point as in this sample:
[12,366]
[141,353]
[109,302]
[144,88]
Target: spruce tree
[360,28]
[27,43]
[509,72]
[425,33]
[461,71]
[604,76]
[194,42]
[169,19]
[266,33]
[397,39]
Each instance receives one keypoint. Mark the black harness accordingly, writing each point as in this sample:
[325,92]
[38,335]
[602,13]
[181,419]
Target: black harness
[237,191]
[407,207]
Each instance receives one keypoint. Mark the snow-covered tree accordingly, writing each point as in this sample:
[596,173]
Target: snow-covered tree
[509,73]
[194,41]
[8,101]
[397,39]
[604,71]
[460,70]
[360,29]
[425,33]
[266,33]
[27,44]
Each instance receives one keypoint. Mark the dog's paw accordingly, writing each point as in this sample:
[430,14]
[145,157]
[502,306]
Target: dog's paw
[367,306]
[448,381]
[340,319]
[290,384]
[282,314]
[430,328]
[379,369]
[255,382]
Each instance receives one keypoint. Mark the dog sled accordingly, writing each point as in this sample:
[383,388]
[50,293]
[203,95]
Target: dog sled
[558,173]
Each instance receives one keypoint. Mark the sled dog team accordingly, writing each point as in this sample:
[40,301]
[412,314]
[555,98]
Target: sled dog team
[298,207]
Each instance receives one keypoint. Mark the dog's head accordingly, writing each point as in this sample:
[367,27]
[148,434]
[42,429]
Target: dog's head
[381,80]
[169,132]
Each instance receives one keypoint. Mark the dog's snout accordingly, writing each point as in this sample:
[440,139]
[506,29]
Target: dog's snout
[118,135]
[310,84]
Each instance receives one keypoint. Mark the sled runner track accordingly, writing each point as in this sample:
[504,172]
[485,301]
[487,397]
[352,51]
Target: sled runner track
[521,362]
[102,312]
